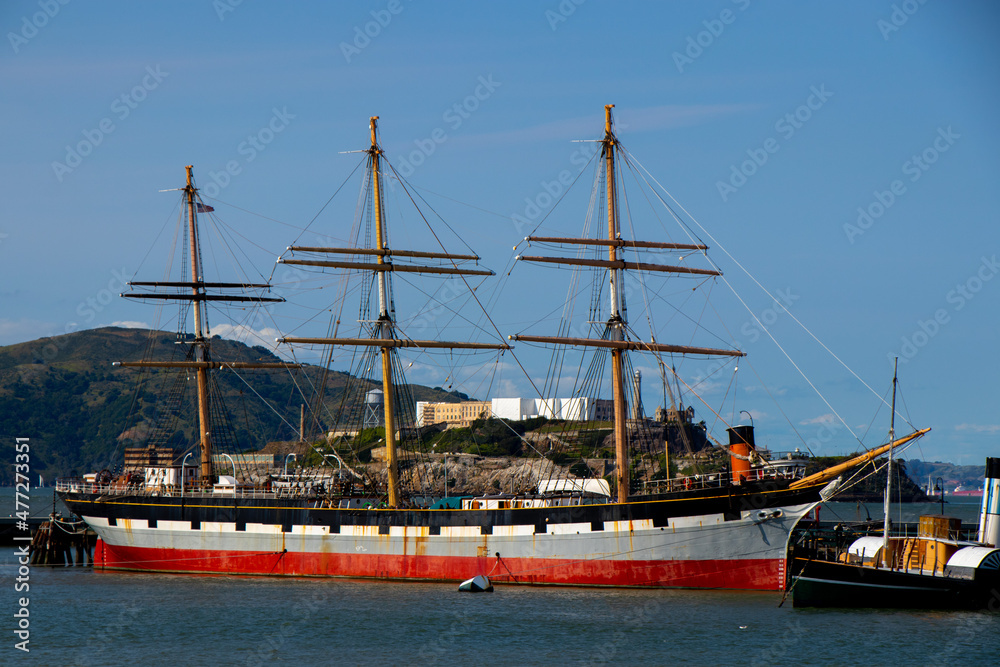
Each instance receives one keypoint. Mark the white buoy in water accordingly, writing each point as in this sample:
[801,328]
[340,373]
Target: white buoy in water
[478,584]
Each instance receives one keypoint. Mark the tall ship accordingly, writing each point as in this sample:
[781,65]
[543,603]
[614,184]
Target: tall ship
[383,520]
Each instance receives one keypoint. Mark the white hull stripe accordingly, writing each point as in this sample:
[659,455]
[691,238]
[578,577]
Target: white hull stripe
[636,526]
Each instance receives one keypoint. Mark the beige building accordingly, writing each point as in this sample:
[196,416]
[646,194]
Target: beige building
[454,414]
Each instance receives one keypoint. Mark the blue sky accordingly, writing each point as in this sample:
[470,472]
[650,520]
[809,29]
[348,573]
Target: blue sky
[887,107]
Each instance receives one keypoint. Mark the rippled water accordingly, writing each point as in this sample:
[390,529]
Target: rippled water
[965,508]
[82,617]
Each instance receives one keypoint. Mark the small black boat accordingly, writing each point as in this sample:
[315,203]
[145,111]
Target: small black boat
[934,570]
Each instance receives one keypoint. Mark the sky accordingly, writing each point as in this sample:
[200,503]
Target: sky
[841,157]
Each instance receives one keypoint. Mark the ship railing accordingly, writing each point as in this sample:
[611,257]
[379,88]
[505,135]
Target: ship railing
[521,501]
[686,483]
[796,455]
[81,485]
[721,478]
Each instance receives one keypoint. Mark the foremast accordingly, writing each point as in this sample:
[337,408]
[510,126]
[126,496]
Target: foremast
[200,348]
[198,296]
[384,334]
[615,329]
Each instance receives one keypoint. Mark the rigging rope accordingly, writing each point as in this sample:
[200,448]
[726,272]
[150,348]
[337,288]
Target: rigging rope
[766,330]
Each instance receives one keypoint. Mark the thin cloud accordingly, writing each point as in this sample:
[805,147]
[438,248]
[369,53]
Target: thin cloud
[979,428]
[244,334]
[131,324]
[828,418]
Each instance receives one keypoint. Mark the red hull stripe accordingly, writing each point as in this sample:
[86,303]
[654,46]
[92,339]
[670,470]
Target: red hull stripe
[742,574]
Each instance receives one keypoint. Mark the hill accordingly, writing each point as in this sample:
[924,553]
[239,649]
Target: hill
[967,477]
[65,395]
[869,487]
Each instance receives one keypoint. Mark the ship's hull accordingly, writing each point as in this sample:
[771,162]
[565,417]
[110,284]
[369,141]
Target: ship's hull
[830,584]
[720,539]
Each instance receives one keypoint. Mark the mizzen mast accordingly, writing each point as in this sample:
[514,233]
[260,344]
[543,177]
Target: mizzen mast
[615,329]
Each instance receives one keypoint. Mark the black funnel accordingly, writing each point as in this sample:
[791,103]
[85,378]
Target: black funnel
[739,435]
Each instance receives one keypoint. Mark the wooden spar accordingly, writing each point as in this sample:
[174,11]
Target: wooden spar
[203,364]
[617,325]
[204,423]
[384,252]
[201,296]
[619,264]
[201,284]
[831,472]
[628,345]
[620,243]
[382,267]
[385,320]
[394,343]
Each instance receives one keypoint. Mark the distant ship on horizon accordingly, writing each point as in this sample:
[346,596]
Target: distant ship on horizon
[933,489]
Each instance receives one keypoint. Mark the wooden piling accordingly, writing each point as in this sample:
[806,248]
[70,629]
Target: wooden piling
[54,544]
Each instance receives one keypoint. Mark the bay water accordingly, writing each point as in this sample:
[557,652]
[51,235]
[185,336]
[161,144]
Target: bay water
[82,617]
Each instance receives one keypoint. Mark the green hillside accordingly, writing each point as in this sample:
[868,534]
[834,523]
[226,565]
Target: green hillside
[64,394]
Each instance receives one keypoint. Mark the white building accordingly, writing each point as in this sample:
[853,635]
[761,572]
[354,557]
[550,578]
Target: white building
[570,409]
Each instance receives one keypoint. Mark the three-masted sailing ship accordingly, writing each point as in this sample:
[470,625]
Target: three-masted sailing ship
[724,531]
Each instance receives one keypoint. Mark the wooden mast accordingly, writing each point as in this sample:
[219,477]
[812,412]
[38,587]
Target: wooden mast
[385,327]
[202,362]
[615,338]
[200,345]
[888,473]
[615,322]
[385,335]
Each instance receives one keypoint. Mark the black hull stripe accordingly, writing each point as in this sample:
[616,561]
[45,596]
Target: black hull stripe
[288,512]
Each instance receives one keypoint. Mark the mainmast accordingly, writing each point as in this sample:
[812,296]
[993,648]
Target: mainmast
[384,332]
[385,324]
[616,324]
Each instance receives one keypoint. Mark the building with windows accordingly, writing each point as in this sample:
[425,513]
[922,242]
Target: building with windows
[453,414]
[571,409]
[514,409]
